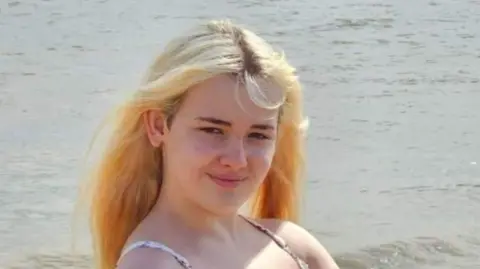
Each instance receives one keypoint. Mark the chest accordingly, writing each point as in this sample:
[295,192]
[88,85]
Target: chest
[271,256]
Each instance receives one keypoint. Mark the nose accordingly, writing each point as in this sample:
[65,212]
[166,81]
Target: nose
[234,155]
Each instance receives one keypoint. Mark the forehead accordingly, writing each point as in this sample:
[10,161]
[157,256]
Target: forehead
[219,96]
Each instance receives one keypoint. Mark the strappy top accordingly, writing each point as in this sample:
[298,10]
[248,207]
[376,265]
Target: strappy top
[186,265]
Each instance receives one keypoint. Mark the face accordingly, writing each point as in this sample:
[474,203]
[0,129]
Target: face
[219,146]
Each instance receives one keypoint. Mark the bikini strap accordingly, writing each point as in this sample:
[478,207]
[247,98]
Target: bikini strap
[279,241]
[157,245]
[186,265]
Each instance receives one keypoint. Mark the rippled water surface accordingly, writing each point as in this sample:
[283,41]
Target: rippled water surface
[393,95]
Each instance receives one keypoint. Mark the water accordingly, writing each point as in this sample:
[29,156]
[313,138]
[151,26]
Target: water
[392,87]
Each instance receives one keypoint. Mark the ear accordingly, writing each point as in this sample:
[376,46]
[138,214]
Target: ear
[154,124]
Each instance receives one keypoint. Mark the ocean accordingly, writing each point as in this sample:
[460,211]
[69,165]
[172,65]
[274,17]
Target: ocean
[392,92]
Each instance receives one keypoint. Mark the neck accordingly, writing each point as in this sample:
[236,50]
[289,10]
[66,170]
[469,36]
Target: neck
[182,215]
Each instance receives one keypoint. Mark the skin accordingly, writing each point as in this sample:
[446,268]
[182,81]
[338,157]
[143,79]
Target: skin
[211,137]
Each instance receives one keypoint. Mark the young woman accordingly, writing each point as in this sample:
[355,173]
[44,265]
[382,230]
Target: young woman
[217,123]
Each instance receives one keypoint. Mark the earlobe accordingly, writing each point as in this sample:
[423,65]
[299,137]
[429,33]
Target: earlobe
[154,127]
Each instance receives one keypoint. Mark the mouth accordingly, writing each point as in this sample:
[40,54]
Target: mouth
[227,181]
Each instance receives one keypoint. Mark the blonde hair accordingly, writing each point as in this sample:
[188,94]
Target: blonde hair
[125,186]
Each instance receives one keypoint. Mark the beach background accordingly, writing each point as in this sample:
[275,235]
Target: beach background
[392,91]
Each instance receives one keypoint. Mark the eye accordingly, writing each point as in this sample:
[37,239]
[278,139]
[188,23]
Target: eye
[259,136]
[211,130]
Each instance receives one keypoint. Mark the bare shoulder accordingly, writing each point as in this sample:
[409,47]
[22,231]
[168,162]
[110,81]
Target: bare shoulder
[302,243]
[148,258]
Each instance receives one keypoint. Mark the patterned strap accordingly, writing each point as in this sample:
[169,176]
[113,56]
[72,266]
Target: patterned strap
[186,265]
[279,241]
[156,245]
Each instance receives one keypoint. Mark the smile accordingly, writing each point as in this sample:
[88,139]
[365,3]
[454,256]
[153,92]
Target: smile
[226,181]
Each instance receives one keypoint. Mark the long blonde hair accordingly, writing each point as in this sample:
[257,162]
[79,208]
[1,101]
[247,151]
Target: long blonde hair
[125,186]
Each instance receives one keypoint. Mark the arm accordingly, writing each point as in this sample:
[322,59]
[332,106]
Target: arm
[317,256]
[303,243]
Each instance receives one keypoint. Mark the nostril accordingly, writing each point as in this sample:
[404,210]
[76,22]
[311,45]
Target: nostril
[234,156]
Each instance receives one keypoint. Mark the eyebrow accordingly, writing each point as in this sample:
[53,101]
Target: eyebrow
[229,124]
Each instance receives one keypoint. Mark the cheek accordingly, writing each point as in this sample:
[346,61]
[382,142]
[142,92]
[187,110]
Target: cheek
[202,148]
[261,158]
[187,155]
[199,152]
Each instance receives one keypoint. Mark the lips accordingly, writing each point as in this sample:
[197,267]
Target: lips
[226,181]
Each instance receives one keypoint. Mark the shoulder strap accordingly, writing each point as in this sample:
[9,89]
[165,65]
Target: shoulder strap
[157,245]
[279,241]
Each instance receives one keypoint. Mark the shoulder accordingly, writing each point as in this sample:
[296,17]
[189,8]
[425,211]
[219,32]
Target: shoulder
[302,243]
[148,258]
